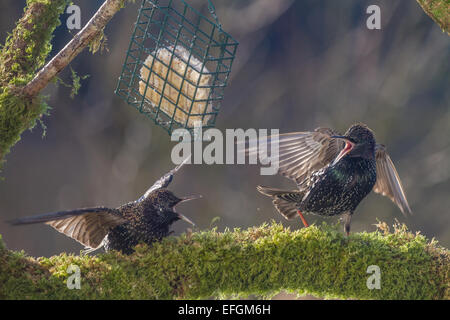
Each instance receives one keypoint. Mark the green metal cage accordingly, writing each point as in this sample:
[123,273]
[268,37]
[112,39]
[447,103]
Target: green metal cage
[177,65]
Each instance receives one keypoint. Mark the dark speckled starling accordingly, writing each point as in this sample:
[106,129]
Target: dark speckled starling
[333,173]
[145,220]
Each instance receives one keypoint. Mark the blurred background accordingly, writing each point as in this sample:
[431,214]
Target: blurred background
[300,65]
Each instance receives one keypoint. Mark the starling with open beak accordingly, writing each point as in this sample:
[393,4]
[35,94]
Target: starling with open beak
[333,173]
[145,220]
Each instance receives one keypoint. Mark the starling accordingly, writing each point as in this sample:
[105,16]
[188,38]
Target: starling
[145,220]
[333,173]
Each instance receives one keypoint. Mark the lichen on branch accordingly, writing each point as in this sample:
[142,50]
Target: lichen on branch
[25,51]
[258,261]
[27,47]
[439,11]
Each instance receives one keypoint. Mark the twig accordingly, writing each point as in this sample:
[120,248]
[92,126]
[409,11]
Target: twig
[90,31]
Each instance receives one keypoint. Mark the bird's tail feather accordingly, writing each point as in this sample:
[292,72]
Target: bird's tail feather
[285,201]
[271,192]
[274,192]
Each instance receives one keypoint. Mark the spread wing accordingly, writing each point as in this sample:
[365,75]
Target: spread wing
[88,226]
[302,153]
[165,180]
[388,182]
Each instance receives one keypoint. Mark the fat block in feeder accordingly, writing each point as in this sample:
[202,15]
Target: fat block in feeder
[177,65]
[193,90]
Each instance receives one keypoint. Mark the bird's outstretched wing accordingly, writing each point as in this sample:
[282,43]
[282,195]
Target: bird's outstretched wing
[302,153]
[285,201]
[88,226]
[165,180]
[388,182]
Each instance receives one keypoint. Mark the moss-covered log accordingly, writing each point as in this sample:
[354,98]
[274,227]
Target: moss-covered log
[259,261]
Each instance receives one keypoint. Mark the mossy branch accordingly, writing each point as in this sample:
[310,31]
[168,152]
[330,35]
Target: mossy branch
[258,261]
[439,11]
[26,50]
[92,31]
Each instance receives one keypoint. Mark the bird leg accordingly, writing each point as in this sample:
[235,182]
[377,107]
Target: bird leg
[347,218]
[302,218]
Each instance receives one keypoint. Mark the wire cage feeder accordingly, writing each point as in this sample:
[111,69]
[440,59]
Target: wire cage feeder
[177,65]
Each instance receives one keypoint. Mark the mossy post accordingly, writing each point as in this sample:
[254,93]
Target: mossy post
[259,261]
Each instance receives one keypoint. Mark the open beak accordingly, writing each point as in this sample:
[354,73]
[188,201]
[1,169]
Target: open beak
[347,148]
[188,198]
[184,199]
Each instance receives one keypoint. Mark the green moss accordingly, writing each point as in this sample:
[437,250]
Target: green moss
[258,261]
[29,44]
[24,52]
[100,42]
[76,82]
[16,115]
[439,11]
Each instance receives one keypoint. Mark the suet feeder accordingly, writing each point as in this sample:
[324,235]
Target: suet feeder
[177,65]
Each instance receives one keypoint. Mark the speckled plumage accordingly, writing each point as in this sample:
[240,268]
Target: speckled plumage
[145,220]
[333,173]
[339,188]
